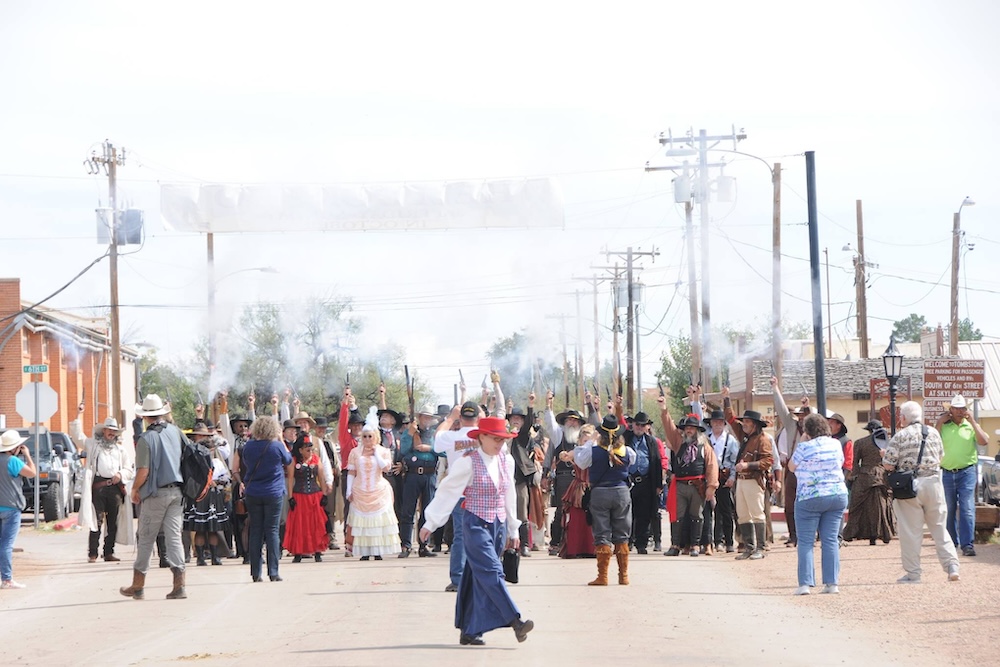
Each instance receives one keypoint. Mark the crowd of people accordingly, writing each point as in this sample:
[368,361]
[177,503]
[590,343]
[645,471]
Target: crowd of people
[478,479]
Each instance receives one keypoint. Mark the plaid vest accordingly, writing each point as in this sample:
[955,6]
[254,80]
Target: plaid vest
[482,497]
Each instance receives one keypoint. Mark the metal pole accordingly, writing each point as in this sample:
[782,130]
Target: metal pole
[953,327]
[630,341]
[859,276]
[708,361]
[696,360]
[597,337]
[892,408]
[37,457]
[116,357]
[776,272]
[210,241]
[638,363]
[829,316]
[817,292]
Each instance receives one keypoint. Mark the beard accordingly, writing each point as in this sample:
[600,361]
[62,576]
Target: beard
[571,434]
[689,439]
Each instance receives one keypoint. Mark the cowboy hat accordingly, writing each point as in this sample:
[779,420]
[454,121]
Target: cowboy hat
[443,410]
[152,406]
[302,415]
[830,414]
[246,419]
[289,423]
[641,418]
[355,418]
[517,412]
[611,426]
[112,424]
[202,428]
[958,401]
[492,426]
[427,409]
[395,415]
[10,440]
[321,422]
[873,425]
[716,414]
[690,420]
[753,415]
[563,416]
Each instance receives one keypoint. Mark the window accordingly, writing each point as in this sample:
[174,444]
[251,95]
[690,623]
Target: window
[25,346]
[863,416]
[45,348]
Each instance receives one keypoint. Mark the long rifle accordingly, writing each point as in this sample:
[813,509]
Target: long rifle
[409,390]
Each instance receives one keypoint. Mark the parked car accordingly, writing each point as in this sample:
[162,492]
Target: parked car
[60,474]
[989,480]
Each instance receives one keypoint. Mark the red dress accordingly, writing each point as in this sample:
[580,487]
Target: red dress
[305,528]
[578,537]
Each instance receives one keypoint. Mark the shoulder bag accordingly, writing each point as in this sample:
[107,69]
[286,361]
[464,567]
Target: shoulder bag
[901,482]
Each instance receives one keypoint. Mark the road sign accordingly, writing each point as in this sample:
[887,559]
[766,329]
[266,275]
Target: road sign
[47,402]
[943,378]
[40,368]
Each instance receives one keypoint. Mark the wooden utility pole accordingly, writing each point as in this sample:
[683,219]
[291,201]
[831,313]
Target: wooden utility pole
[630,256]
[956,235]
[776,273]
[861,286]
[692,291]
[109,162]
[210,251]
[562,340]
[829,320]
[580,386]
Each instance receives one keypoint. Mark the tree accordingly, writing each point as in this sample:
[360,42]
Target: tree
[170,383]
[675,372]
[908,330]
[967,331]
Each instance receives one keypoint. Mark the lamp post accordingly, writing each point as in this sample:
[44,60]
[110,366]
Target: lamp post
[956,241]
[892,359]
[212,285]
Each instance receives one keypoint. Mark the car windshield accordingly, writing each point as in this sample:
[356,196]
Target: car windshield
[44,444]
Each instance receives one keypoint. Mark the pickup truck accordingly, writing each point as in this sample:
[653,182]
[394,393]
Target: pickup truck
[60,474]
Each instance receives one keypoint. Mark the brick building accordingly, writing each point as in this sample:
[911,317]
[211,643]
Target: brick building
[76,350]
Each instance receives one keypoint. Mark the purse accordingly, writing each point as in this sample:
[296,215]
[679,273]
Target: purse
[901,482]
[511,562]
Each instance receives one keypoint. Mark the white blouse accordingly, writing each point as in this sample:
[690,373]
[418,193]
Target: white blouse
[452,490]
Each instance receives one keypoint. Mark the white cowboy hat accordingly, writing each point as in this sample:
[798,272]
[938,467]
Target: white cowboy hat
[152,406]
[428,409]
[111,423]
[958,401]
[9,440]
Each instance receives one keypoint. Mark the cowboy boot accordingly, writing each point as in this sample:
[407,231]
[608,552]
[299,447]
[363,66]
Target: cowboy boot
[747,535]
[214,551]
[603,553]
[135,591]
[178,592]
[161,549]
[759,530]
[621,553]
[201,553]
[695,536]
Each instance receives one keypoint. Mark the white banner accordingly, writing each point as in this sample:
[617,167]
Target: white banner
[271,208]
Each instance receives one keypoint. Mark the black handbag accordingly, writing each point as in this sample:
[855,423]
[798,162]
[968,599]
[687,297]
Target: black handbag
[511,561]
[901,482]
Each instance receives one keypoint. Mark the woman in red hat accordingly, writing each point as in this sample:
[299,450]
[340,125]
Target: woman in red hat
[485,476]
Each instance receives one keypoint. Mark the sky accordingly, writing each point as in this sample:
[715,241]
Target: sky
[899,101]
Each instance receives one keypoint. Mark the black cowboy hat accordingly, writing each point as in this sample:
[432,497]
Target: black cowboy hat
[246,419]
[289,424]
[322,422]
[443,410]
[355,418]
[611,426]
[690,420]
[754,416]
[517,412]
[395,415]
[716,414]
[563,416]
[641,418]
[873,425]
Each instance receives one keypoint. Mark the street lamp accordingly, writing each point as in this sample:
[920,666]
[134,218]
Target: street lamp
[892,359]
[955,244]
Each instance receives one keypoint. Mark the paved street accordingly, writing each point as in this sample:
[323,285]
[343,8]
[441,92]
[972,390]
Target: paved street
[345,612]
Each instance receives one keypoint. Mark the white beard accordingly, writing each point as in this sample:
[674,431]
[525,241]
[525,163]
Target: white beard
[571,435]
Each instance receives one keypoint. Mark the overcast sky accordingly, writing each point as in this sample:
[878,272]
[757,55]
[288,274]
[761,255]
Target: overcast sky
[898,99]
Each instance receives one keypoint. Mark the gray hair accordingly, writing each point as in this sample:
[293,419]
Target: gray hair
[265,428]
[912,411]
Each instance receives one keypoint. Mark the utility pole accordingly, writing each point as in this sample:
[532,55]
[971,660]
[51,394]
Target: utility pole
[829,319]
[594,281]
[109,163]
[776,355]
[700,146]
[860,283]
[956,242]
[692,291]
[562,340]
[580,386]
[630,256]
[210,248]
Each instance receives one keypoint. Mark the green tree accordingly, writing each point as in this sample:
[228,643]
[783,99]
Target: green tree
[675,372]
[908,329]
[169,382]
[968,331]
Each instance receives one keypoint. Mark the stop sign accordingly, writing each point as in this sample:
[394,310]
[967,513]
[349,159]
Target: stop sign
[24,401]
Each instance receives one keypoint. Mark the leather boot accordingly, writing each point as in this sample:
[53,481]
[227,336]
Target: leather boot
[603,553]
[161,549]
[759,531]
[178,592]
[621,553]
[214,550]
[135,591]
[201,553]
[746,534]
[695,535]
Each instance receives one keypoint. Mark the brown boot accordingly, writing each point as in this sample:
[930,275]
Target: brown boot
[603,552]
[178,592]
[135,591]
[621,553]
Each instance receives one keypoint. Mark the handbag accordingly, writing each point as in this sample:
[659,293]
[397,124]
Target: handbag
[511,561]
[901,481]
[585,505]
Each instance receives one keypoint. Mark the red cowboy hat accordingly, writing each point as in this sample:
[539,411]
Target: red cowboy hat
[492,426]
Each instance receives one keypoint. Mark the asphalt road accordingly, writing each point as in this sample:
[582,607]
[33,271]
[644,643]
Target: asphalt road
[684,611]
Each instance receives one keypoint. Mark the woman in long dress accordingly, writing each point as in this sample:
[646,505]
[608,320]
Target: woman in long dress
[870,513]
[372,519]
[578,537]
[305,529]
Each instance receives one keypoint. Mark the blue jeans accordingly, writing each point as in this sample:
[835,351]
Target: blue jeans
[960,498]
[822,514]
[10,525]
[264,514]
[457,550]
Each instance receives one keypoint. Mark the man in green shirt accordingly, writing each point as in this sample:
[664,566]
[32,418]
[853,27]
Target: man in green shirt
[960,434]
